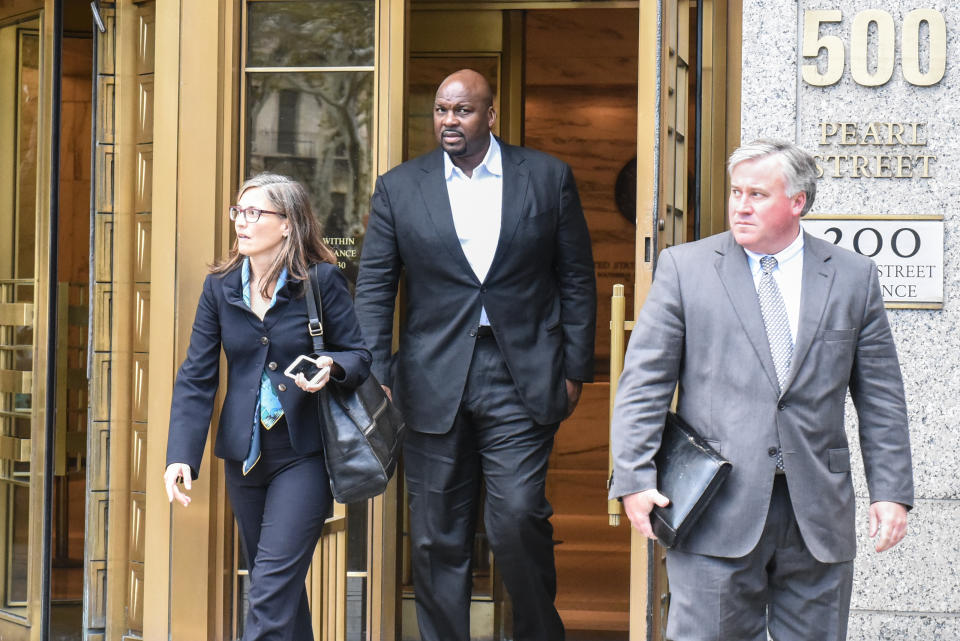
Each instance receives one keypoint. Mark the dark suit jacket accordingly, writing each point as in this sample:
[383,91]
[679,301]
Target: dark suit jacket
[251,346]
[701,326]
[540,292]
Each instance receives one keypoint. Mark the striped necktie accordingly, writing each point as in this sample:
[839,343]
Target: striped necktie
[777,323]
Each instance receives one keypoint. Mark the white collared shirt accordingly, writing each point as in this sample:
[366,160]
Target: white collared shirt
[476,203]
[789,276]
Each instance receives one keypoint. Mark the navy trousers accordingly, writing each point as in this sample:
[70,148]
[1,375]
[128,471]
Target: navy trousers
[495,441]
[280,507]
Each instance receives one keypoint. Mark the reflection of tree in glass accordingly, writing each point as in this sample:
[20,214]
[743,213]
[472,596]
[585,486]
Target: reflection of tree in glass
[311,34]
[331,141]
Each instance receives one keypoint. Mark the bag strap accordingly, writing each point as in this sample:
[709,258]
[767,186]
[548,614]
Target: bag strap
[314,309]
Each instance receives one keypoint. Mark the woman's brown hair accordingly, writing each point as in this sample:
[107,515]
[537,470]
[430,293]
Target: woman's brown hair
[303,246]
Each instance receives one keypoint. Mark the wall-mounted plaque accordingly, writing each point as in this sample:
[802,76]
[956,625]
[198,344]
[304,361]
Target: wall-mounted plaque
[908,251]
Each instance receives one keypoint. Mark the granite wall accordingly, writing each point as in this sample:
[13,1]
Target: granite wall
[912,592]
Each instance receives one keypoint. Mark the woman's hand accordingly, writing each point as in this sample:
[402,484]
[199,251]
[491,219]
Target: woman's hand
[177,472]
[301,380]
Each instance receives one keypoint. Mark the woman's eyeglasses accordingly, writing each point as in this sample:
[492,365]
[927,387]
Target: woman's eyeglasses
[251,214]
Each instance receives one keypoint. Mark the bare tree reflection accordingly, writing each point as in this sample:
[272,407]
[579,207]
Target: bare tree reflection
[315,126]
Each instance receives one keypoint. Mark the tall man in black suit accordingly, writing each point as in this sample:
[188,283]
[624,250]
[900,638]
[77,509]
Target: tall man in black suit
[496,341]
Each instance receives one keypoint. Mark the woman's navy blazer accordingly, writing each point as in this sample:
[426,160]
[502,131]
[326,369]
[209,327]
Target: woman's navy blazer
[253,346]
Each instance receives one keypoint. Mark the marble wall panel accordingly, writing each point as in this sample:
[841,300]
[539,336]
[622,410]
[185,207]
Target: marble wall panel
[868,626]
[921,574]
[769,86]
[912,591]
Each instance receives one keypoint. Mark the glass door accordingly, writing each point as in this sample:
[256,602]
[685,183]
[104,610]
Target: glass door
[43,382]
[307,111]
[20,407]
[20,116]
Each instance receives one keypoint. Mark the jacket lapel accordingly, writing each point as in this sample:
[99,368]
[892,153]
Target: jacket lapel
[281,306]
[433,188]
[233,294]
[734,272]
[516,175]
[818,277]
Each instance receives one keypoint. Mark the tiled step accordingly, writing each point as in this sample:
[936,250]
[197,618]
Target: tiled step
[577,491]
[577,532]
[593,559]
[593,580]
[592,625]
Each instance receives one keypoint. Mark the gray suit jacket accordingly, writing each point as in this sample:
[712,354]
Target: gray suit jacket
[540,293]
[701,327]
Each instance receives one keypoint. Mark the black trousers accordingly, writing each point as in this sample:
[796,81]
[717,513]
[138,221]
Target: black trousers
[280,507]
[493,439]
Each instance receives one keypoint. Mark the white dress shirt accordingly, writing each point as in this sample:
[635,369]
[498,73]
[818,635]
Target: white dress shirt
[789,276]
[477,202]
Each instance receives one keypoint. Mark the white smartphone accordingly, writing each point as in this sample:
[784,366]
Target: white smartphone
[309,367]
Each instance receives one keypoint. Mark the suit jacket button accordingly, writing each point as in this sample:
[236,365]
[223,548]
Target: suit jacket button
[781,406]
[772,451]
[272,365]
[281,387]
[264,340]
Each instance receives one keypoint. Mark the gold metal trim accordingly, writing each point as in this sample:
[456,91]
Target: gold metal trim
[16,314]
[305,69]
[617,352]
[15,381]
[15,449]
[6,615]
[931,217]
[899,305]
[522,4]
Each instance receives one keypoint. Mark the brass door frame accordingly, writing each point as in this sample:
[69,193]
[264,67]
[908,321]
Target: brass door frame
[657,192]
[194,159]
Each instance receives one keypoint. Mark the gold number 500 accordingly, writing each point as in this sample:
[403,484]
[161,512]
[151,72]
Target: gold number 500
[813,42]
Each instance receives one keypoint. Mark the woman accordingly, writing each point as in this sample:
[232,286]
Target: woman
[253,306]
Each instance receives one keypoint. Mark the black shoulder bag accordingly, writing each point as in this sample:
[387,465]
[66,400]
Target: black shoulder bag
[362,431]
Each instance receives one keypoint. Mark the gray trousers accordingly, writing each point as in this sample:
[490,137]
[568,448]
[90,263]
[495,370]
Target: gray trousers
[778,588]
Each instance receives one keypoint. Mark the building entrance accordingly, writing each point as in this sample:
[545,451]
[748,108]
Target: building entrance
[566,83]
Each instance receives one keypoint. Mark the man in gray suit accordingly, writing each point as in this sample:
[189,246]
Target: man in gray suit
[765,328]
[496,339]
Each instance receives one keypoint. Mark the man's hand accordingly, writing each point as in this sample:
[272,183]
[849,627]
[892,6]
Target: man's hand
[889,520]
[386,390]
[638,507]
[574,388]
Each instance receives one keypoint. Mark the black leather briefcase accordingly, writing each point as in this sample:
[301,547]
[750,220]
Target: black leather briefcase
[689,473]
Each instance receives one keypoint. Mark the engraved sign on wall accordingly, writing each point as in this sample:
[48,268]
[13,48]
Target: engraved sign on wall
[876,108]
[908,251]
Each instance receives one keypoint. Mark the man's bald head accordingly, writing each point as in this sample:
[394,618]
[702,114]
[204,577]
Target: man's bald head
[473,82]
[463,116]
